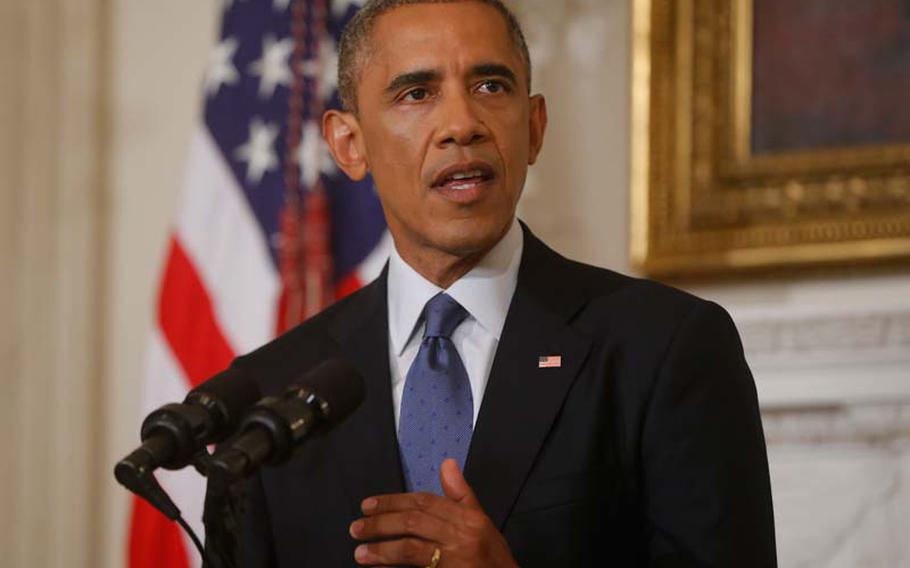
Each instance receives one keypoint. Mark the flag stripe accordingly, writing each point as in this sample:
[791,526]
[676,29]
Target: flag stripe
[160,542]
[186,318]
[153,540]
[226,244]
[347,286]
[169,384]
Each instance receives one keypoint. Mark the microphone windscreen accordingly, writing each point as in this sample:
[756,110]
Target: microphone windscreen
[233,390]
[338,383]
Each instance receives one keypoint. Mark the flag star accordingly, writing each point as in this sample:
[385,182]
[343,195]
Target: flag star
[313,156]
[259,151]
[221,69]
[272,68]
[324,68]
[340,7]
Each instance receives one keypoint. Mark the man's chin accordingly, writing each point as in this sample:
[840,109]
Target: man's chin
[468,241]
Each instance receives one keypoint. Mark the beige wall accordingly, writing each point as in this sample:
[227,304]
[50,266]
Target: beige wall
[577,196]
[10,112]
[96,104]
[158,55]
[92,148]
[53,219]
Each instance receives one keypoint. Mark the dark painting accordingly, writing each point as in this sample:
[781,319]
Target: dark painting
[830,74]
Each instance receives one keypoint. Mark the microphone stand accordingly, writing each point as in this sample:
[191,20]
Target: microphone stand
[225,503]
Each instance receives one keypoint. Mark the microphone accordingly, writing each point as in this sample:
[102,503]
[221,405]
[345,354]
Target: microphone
[278,426]
[173,434]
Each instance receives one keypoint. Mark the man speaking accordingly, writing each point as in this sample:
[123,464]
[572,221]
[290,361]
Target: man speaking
[521,409]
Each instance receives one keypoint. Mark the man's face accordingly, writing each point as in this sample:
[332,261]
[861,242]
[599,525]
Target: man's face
[448,129]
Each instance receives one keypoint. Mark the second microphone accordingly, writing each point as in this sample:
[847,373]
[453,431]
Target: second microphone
[277,426]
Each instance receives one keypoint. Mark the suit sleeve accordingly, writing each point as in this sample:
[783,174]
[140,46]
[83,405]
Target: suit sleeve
[705,481]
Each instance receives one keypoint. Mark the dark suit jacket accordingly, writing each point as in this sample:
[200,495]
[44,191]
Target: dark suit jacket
[644,448]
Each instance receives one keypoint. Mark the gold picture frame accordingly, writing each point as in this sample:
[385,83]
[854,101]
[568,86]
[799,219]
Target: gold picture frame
[702,203]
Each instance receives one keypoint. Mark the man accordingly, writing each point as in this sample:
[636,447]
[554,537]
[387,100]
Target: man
[597,419]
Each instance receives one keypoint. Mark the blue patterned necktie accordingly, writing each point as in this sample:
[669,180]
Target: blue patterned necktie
[437,407]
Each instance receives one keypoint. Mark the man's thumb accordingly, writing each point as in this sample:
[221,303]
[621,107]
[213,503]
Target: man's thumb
[454,484]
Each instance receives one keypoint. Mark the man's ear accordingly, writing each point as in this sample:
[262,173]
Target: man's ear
[537,125]
[341,131]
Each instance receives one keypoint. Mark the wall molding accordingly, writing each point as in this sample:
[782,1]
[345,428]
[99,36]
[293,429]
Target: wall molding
[846,334]
[858,356]
[881,425]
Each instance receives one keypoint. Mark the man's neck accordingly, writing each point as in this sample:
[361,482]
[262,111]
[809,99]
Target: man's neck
[440,268]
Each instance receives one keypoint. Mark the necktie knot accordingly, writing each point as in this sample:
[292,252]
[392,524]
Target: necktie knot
[443,315]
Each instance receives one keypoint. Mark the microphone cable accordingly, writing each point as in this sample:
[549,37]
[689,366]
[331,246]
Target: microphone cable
[195,538]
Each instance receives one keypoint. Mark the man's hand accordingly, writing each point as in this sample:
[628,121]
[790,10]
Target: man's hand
[405,529]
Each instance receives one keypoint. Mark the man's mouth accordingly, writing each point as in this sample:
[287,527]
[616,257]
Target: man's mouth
[463,177]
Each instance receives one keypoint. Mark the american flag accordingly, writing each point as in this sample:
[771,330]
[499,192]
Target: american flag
[268,232]
[549,362]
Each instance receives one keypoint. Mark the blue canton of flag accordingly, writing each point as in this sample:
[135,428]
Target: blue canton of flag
[247,88]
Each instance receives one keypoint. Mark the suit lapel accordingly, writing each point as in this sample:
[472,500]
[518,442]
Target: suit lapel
[367,445]
[521,400]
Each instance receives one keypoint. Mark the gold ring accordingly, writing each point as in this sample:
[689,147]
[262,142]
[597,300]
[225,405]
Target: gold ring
[434,560]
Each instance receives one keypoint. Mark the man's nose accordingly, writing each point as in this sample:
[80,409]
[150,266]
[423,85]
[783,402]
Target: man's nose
[460,123]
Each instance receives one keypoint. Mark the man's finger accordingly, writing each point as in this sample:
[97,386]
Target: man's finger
[435,505]
[401,552]
[402,524]
[455,486]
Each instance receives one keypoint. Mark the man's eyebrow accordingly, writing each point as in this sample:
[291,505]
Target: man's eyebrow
[411,78]
[494,70]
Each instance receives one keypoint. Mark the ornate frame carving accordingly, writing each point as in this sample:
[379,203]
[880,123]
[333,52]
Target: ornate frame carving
[702,204]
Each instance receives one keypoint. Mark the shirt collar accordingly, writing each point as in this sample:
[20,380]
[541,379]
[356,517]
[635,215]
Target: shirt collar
[485,291]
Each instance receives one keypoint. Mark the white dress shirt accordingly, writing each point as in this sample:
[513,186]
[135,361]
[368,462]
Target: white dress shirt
[485,292]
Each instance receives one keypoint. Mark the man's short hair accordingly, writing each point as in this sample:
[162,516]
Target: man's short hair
[356,37]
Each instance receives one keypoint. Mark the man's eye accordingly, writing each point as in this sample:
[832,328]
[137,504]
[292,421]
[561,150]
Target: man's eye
[417,94]
[492,87]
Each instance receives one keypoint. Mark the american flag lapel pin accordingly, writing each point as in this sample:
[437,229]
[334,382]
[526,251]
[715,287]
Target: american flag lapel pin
[549,362]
